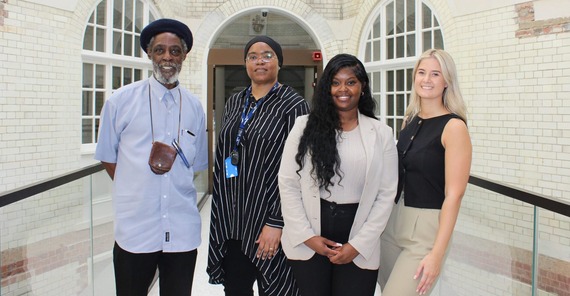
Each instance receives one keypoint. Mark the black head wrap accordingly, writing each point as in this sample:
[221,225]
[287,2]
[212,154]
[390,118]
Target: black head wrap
[166,25]
[272,43]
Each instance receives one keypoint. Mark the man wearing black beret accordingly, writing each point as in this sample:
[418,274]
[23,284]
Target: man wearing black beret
[152,138]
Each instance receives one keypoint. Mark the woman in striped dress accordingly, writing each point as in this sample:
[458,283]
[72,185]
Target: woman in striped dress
[246,221]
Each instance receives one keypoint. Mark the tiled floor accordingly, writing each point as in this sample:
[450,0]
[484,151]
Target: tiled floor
[201,287]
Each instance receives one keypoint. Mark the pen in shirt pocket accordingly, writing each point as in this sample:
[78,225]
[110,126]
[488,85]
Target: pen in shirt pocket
[189,132]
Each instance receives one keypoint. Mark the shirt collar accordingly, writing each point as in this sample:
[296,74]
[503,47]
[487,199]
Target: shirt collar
[159,90]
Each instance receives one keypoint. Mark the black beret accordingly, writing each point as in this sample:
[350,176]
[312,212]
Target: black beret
[166,25]
[272,43]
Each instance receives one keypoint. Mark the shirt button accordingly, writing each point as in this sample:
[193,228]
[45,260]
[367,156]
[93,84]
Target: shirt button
[164,216]
[164,196]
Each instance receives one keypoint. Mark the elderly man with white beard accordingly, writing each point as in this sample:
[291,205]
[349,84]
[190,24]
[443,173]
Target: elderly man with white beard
[152,138]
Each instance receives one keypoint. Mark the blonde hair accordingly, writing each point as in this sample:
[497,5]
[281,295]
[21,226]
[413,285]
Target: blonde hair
[452,98]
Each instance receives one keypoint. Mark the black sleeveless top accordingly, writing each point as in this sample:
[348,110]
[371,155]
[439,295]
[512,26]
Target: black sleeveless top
[422,159]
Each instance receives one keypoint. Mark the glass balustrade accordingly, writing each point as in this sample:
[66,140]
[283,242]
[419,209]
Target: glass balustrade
[492,252]
[60,242]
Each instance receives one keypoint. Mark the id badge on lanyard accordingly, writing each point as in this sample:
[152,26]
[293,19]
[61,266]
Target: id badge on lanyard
[231,162]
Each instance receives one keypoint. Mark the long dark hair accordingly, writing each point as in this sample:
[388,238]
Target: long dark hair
[323,125]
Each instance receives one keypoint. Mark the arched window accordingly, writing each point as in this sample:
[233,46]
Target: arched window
[112,57]
[399,32]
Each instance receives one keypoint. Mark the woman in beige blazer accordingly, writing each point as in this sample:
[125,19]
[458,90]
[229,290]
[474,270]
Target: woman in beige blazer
[337,181]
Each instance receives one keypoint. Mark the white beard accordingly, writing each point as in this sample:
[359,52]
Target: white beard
[158,74]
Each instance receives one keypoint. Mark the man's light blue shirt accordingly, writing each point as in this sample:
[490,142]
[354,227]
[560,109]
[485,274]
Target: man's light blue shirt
[153,212]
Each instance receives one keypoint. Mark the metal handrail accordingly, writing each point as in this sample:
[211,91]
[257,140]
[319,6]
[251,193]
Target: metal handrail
[555,205]
[22,193]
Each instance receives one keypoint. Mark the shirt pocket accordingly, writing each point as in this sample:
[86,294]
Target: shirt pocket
[188,144]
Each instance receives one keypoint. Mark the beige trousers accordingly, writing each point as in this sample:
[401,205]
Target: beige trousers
[409,236]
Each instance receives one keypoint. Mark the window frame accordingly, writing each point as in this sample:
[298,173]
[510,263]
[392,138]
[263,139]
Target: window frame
[110,60]
[384,65]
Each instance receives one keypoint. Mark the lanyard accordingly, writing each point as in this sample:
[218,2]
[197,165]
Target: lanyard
[245,115]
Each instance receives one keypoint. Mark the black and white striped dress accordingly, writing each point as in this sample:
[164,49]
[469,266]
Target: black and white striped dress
[242,205]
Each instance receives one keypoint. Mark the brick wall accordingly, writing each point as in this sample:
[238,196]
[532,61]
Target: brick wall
[518,96]
[40,83]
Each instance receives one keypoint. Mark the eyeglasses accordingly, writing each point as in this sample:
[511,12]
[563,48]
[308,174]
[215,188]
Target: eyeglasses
[265,57]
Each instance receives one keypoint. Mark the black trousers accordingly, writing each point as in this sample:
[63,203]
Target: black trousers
[240,272]
[318,276]
[134,272]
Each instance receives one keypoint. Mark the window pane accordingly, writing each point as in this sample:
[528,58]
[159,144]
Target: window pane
[96,130]
[390,19]
[400,16]
[409,73]
[87,134]
[88,38]
[400,100]
[377,99]
[138,74]
[139,17]
[128,45]
[411,50]
[376,50]
[400,105]
[87,103]
[367,52]
[118,15]
[426,16]
[116,77]
[376,82]
[427,40]
[390,123]
[400,47]
[390,80]
[411,12]
[138,49]
[390,48]
[100,76]
[100,40]
[398,127]
[117,42]
[101,13]
[99,101]
[376,28]
[400,80]
[127,76]
[87,75]
[129,10]
[437,39]
[390,105]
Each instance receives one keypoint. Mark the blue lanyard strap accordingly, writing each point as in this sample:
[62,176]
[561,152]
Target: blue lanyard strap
[246,115]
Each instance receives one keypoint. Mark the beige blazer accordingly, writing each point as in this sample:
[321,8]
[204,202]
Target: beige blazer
[300,196]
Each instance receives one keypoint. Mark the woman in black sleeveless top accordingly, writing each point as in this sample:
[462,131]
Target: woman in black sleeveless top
[435,159]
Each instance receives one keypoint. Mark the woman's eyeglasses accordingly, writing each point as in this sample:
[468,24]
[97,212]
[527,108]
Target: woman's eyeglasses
[264,57]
